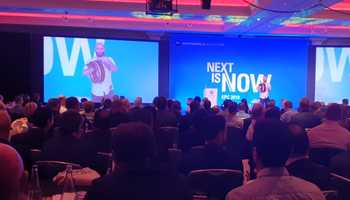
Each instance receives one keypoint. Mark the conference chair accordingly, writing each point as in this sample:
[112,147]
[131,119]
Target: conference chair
[323,155]
[168,136]
[214,183]
[330,194]
[341,185]
[35,155]
[236,142]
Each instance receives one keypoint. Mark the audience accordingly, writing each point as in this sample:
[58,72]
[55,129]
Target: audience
[70,131]
[132,177]
[272,147]
[11,172]
[300,165]
[330,134]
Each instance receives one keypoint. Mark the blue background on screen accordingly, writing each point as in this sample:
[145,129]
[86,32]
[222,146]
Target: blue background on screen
[286,60]
[137,73]
[332,74]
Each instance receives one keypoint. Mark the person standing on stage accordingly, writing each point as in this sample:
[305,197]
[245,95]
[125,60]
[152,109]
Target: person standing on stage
[99,69]
[264,88]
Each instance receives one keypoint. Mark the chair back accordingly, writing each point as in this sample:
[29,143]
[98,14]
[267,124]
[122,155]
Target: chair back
[330,194]
[50,168]
[323,156]
[168,136]
[35,155]
[340,164]
[341,185]
[214,183]
[236,142]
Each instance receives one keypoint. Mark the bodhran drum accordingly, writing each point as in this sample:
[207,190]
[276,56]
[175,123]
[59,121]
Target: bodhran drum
[97,72]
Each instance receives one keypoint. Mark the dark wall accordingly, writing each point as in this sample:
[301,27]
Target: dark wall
[15,59]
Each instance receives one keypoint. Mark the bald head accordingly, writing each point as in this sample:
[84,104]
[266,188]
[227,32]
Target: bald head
[11,171]
[5,124]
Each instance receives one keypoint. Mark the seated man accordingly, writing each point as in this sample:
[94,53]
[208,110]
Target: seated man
[272,147]
[305,117]
[300,165]
[132,177]
[39,133]
[67,146]
[213,155]
[330,134]
[11,172]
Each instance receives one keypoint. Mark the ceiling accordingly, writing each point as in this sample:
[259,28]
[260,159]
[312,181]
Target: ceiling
[305,18]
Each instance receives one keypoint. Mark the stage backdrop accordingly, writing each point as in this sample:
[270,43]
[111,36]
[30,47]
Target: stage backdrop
[332,74]
[231,68]
[65,59]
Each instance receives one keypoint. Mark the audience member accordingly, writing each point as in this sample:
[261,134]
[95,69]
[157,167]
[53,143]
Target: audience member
[192,135]
[330,134]
[17,111]
[67,145]
[133,177]
[272,149]
[88,111]
[100,138]
[245,103]
[212,155]
[62,100]
[286,117]
[118,113]
[11,172]
[5,127]
[232,120]
[242,113]
[300,165]
[72,104]
[249,124]
[29,109]
[163,116]
[138,103]
[273,113]
[305,117]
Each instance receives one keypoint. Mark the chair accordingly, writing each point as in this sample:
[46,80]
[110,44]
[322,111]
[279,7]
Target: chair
[214,183]
[103,162]
[168,136]
[35,155]
[342,185]
[323,155]
[330,194]
[237,142]
[340,164]
[174,158]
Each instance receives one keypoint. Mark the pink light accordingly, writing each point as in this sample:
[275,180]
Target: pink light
[229,3]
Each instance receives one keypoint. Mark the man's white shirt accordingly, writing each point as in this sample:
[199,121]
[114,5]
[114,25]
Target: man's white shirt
[106,86]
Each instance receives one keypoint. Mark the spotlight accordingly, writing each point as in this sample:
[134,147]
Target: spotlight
[206,4]
[160,7]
